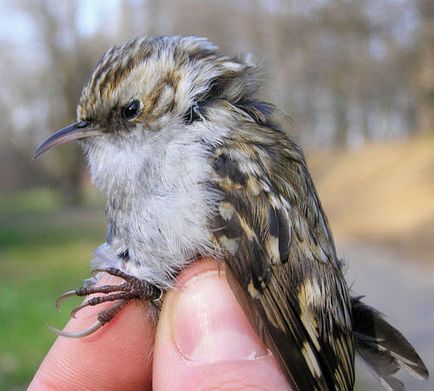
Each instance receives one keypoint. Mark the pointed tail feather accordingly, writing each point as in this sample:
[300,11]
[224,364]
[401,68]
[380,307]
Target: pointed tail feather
[383,347]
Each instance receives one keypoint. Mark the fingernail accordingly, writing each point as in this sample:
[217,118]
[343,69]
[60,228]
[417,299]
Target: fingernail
[208,324]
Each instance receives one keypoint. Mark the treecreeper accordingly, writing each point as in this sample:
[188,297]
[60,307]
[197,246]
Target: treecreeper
[193,163]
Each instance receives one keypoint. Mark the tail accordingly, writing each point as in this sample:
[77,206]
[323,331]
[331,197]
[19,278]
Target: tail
[383,347]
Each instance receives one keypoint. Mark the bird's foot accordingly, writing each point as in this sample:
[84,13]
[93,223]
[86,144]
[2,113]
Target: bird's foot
[132,288]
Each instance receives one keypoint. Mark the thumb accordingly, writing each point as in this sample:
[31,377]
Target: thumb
[204,341]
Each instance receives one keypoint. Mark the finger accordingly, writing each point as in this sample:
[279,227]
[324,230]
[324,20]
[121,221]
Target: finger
[118,356]
[204,341]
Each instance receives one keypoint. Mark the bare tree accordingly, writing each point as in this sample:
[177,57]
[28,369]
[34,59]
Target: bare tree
[67,57]
[346,71]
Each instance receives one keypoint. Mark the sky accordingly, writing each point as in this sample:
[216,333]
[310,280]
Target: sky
[16,27]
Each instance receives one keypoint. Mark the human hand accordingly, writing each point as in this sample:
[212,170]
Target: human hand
[202,341]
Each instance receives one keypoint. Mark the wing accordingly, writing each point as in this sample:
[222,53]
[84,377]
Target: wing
[281,258]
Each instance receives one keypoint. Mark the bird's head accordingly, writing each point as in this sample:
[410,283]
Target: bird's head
[153,86]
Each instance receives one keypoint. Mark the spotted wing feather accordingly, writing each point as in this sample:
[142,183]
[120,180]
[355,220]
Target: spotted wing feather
[281,260]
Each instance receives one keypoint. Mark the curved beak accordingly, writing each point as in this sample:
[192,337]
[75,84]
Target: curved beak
[76,131]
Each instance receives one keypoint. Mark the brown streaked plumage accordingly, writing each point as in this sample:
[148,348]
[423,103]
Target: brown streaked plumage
[267,234]
[192,163]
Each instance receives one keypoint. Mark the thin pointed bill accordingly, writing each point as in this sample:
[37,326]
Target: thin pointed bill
[76,131]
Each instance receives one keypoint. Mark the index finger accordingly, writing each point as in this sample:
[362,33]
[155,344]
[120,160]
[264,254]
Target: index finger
[118,356]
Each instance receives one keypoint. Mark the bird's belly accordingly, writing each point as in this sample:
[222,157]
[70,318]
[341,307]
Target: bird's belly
[163,232]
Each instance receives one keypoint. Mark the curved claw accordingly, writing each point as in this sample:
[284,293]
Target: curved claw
[64,296]
[79,308]
[77,334]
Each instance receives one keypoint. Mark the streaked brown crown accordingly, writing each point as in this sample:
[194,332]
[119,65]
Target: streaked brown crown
[167,75]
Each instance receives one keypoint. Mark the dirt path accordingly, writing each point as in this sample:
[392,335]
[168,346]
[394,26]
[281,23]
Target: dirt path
[401,290]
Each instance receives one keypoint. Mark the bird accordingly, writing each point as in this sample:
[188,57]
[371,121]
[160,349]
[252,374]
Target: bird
[193,163]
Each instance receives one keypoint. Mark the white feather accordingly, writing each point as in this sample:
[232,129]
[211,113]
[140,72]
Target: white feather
[158,198]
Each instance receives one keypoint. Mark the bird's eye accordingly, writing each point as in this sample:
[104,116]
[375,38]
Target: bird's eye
[131,110]
[193,114]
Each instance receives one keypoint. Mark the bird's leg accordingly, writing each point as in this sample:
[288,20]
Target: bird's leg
[132,288]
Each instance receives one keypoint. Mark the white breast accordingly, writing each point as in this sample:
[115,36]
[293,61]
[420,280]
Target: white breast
[158,199]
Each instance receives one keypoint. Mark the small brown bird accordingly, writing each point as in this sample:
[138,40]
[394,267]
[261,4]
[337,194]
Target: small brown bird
[193,164]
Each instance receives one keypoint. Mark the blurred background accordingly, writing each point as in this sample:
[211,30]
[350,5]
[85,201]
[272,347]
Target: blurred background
[355,76]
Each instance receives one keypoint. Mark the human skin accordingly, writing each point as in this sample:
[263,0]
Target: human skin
[202,341]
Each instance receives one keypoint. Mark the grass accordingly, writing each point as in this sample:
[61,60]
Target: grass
[44,250]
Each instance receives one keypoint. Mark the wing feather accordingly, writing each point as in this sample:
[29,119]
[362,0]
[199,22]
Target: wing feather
[283,265]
